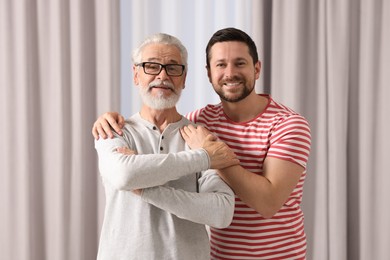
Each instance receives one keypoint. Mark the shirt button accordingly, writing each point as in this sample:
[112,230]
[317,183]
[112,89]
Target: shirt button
[154,128]
[161,148]
[162,137]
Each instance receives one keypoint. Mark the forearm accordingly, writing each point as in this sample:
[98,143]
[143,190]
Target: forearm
[212,209]
[213,205]
[255,190]
[129,172]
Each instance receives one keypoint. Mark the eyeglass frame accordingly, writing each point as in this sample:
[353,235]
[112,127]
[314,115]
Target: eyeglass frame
[162,66]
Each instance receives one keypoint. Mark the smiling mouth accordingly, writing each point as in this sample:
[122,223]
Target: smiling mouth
[162,88]
[232,84]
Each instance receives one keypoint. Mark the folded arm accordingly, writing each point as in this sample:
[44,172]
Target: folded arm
[130,172]
[212,206]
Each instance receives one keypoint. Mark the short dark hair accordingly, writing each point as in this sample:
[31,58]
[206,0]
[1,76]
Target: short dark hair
[232,34]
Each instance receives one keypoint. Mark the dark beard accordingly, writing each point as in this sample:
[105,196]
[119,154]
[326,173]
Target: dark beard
[245,92]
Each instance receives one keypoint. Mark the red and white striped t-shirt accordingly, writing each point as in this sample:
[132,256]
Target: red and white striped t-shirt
[278,132]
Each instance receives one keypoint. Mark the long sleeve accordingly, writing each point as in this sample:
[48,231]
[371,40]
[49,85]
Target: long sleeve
[133,228]
[213,205]
[126,172]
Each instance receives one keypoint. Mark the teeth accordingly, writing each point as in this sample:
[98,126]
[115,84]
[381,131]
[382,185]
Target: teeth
[161,87]
[232,84]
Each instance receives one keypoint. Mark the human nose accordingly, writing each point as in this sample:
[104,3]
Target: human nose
[229,71]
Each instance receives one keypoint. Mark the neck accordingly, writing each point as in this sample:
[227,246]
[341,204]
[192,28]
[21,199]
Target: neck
[160,118]
[246,109]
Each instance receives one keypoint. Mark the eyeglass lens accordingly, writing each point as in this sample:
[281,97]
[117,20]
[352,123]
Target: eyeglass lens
[154,68]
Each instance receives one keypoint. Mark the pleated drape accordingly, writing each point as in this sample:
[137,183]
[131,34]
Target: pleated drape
[62,64]
[59,70]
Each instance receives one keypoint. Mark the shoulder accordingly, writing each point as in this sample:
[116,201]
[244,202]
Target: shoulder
[185,121]
[282,113]
[210,110]
[136,123]
[282,121]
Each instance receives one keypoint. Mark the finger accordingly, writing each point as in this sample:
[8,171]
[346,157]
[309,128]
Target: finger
[121,123]
[120,150]
[191,128]
[106,128]
[125,151]
[204,130]
[186,137]
[186,130]
[183,133]
[113,123]
[95,132]
[100,131]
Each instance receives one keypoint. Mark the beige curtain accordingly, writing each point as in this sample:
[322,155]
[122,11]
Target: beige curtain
[331,61]
[58,71]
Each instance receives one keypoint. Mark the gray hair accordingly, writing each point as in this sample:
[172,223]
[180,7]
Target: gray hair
[161,38]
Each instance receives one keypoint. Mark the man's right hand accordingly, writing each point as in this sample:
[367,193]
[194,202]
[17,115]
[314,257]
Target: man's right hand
[106,123]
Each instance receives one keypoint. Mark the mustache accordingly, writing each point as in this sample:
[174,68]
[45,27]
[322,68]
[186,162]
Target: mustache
[162,83]
[232,79]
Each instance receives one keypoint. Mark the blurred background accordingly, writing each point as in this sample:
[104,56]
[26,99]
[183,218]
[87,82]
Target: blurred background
[64,62]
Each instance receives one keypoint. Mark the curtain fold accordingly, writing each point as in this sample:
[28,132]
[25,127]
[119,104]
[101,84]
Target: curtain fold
[373,123]
[51,72]
[329,62]
[60,67]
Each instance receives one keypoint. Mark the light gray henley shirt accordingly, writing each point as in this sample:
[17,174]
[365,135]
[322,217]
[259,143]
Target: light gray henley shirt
[180,195]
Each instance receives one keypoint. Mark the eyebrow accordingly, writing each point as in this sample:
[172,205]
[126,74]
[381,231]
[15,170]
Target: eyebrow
[235,60]
[153,59]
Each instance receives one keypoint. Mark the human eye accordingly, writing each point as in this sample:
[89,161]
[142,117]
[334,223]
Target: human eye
[220,65]
[174,68]
[152,66]
[240,63]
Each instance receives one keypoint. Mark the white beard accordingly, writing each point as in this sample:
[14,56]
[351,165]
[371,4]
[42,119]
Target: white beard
[159,102]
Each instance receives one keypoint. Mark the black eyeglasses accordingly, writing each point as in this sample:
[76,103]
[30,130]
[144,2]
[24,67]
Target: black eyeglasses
[154,68]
